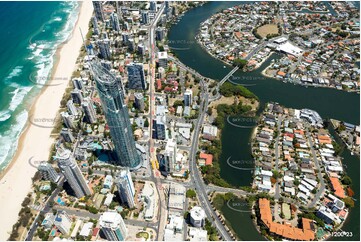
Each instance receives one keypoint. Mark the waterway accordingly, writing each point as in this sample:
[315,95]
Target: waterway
[236,160]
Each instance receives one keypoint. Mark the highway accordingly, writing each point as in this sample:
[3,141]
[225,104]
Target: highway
[194,172]
[152,155]
[81,213]
[46,209]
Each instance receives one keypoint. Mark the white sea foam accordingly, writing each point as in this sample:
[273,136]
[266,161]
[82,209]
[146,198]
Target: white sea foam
[32,46]
[15,72]
[44,60]
[71,20]
[42,55]
[9,138]
[57,19]
[4,115]
[18,97]
[37,48]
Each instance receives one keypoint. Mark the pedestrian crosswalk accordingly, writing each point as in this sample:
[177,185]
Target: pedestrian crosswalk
[37,207]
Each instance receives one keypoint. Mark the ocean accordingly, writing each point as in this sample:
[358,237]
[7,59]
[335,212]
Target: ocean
[30,34]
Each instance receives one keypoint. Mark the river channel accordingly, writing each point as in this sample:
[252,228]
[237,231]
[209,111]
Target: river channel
[236,161]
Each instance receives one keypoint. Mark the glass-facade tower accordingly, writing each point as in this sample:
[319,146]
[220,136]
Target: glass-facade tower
[116,113]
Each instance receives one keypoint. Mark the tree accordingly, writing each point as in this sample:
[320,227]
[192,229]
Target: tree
[191,193]
[186,214]
[36,177]
[240,62]
[25,202]
[228,89]
[346,180]
[92,209]
[90,171]
[177,103]
[349,202]
[276,174]
[146,123]
[296,182]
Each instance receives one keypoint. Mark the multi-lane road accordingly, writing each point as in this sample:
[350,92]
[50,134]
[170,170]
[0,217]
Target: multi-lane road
[152,154]
[46,209]
[194,172]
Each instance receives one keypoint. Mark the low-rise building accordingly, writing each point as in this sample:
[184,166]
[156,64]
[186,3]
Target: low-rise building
[210,132]
[197,216]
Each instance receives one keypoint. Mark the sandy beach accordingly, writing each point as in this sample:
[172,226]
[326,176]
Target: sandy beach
[35,141]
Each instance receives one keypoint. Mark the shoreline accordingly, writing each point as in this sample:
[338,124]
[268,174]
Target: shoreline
[263,72]
[31,108]
[45,104]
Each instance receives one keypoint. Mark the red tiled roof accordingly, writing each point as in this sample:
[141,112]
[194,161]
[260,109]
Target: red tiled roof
[284,230]
[207,157]
[281,73]
[289,135]
[337,187]
[159,84]
[95,231]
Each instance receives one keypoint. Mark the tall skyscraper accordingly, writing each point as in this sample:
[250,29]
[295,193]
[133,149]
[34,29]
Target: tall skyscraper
[170,154]
[160,123]
[139,101]
[48,172]
[159,33]
[106,64]
[125,38]
[72,173]
[98,9]
[116,114]
[163,59]
[153,6]
[131,44]
[145,17]
[136,78]
[78,83]
[115,22]
[67,135]
[95,26]
[89,111]
[104,35]
[71,107]
[169,12]
[104,48]
[113,226]
[161,72]
[77,96]
[141,49]
[126,187]
[188,97]
[167,4]
[68,120]
[63,222]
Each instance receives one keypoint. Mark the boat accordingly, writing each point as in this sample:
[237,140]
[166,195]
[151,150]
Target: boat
[224,66]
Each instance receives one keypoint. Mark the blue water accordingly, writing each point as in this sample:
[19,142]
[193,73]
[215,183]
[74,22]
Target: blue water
[30,35]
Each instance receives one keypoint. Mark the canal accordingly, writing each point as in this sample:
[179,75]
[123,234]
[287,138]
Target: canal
[236,160]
